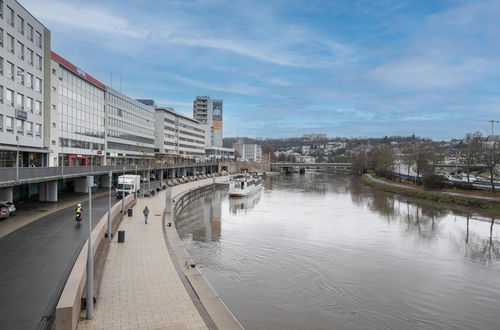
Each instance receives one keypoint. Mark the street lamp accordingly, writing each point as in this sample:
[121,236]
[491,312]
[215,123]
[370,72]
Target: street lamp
[17,159]
[110,176]
[90,258]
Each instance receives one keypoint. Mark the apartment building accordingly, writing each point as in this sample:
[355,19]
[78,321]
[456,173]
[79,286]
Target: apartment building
[24,75]
[178,135]
[130,129]
[209,113]
[80,123]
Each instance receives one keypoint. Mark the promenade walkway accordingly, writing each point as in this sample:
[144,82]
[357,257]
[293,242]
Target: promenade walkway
[140,287]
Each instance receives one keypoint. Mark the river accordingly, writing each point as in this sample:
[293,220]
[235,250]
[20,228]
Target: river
[326,251]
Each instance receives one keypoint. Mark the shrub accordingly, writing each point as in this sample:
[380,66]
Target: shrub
[434,181]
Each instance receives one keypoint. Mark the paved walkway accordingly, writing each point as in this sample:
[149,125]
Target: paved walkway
[393,184]
[140,287]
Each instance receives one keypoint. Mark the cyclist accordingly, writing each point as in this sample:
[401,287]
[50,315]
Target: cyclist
[78,212]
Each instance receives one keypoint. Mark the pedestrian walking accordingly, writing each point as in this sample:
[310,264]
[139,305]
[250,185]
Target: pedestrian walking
[146,213]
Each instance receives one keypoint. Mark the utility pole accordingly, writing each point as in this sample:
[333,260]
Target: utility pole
[90,259]
[110,176]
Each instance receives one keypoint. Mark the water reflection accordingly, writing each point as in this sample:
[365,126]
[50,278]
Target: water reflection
[324,251]
[244,204]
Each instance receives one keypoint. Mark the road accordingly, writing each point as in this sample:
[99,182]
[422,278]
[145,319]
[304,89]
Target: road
[35,262]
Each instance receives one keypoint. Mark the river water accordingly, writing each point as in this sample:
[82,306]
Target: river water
[326,251]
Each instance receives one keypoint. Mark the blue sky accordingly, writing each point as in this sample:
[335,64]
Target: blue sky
[284,68]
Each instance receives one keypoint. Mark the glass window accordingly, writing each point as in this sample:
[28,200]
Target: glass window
[38,84]
[10,70]
[1,8]
[38,107]
[1,37]
[38,129]
[29,80]
[29,127]
[1,122]
[20,76]
[20,50]
[29,104]
[30,56]
[10,43]
[20,24]
[9,123]
[39,62]
[1,66]
[38,39]
[20,126]
[9,97]
[1,94]
[20,101]
[10,16]
[30,32]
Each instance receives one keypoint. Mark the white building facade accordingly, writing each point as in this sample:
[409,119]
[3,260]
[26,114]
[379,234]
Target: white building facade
[209,113]
[130,129]
[178,135]
[80,122]
[24,87]
[249,152]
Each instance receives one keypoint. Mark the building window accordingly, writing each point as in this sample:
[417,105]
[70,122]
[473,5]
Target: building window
[10,16]
[1,122]
[38,107]
[10,43]
[20,101]
[38,129]
[30,32]
[9,97]
[38,85]
[20,50]
[29,80]
[1,94]
[38,39]
[29,104]
[20,75]
[20,126]
[1,66]
[10,71]
[29,128]
[39,62]
[9,123]
[1,8]
[1,37]
[30,56]
[20,24]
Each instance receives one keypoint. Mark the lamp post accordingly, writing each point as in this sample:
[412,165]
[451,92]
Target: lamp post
[135,192]
[90,258]
[110,176]
[123,193]
[17,159]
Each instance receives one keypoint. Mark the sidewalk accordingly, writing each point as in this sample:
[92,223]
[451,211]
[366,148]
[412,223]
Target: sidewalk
[140,286]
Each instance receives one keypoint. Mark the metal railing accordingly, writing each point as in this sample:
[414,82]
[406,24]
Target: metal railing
[9,175]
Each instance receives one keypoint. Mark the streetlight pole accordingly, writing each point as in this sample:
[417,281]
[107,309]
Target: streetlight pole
[135,188]
[17,159]
[110,176]
[90,260]
[123,193]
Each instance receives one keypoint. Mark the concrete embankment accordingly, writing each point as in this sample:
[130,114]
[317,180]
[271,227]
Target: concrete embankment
[485,203]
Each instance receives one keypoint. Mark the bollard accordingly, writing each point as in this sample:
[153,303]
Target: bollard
[121,236]
[130,212]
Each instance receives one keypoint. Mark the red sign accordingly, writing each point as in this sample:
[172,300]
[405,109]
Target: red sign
[79,72]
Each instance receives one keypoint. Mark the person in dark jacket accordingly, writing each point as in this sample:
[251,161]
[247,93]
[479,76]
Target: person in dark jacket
[146,213]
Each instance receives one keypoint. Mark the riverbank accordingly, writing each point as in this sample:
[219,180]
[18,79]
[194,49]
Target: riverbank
[485,203]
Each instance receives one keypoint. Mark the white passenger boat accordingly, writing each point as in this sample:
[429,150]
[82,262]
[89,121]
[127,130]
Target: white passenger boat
[242,185]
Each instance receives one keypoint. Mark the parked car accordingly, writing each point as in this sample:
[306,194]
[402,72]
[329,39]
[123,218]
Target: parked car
[4,212]
[9,205]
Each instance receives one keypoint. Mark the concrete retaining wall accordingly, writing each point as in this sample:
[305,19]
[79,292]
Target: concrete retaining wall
[69,306]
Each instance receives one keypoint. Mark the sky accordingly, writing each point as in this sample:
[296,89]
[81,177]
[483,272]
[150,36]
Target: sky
[353,68]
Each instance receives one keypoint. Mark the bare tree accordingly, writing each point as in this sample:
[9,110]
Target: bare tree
[383,159]
[490,157]
[359,162]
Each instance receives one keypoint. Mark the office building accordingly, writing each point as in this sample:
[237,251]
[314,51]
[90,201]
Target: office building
[80,109]
[209,113]
[130,129]
[24,87]
[178,135]
[248,152]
